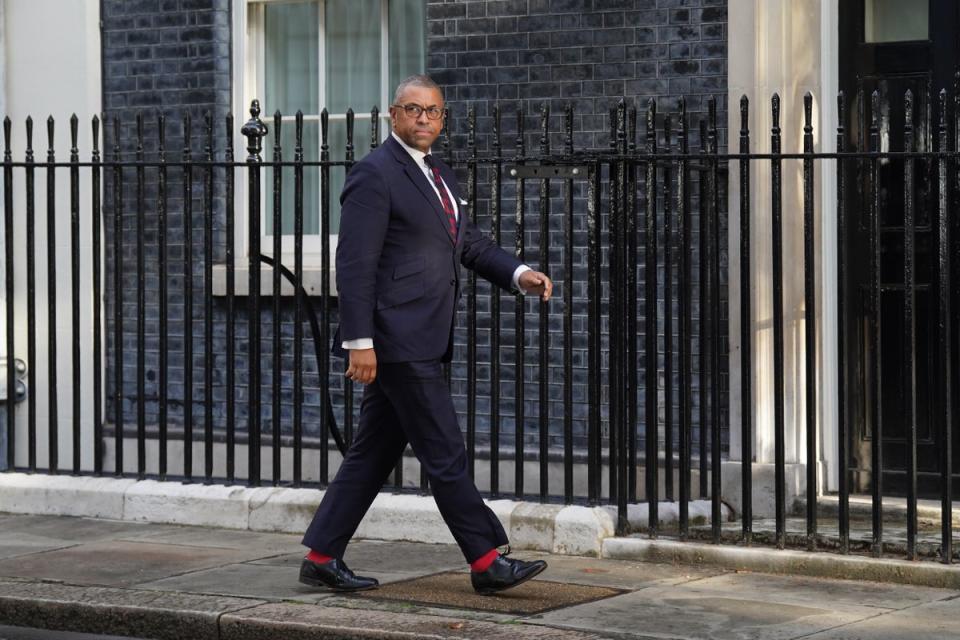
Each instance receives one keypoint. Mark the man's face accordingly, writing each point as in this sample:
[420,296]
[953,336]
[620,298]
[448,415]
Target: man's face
[417,131]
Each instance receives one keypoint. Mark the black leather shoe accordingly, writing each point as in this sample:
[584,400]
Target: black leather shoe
[335,575]
[505,573]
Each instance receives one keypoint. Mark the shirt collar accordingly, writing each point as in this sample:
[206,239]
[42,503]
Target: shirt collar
[416,154]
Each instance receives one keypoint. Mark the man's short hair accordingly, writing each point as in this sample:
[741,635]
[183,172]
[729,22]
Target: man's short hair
[417,80]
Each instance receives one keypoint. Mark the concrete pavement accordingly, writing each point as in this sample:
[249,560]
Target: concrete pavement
[169,581]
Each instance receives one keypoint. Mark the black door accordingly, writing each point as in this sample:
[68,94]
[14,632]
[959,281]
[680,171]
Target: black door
[891,46]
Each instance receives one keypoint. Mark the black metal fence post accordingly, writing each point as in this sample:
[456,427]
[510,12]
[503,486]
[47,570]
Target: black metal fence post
[519,324]
[188,297]
[163,346]
[909,325]
[141,306]
[650,324]
[9,292]
[543,244]
[75,289]
[668,297]
[717,340]
[298,305]
[53,418]
[324,364]
[778,381]
[843,392]
[231,329]
[277,231]
[496,179]
[117,300]
[254,130]
[208,195]
[568,284]
[685,310]
[95,259]
[875,326]
[810,322]
[746,333]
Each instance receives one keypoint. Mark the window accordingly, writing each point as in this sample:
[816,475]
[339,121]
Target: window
[896,20]
[316,54]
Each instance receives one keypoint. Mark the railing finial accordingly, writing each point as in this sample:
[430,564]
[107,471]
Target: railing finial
[254,130]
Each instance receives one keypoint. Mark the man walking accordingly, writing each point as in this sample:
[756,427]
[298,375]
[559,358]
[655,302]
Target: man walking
[403,237]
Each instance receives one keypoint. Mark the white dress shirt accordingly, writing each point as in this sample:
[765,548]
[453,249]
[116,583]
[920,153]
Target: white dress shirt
[418,156]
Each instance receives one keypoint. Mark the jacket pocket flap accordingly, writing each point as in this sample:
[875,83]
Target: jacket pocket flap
[399,295]
[408,268]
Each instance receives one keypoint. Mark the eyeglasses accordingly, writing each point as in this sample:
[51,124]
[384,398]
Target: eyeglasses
[414,111]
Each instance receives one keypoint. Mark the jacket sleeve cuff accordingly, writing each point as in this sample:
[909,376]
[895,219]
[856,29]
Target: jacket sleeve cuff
[359,343]
[516,278]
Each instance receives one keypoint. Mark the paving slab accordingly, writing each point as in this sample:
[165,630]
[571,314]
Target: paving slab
[931,621]
[619,574]
[265,543]
[818,592]
[118,563]
[18,544]
[104,610]
[75,529]
[685,612]
[310,622]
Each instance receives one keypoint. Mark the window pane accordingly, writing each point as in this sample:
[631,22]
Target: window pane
[407,39]
[896,20]
[291,42]
[311,179]
[352,54]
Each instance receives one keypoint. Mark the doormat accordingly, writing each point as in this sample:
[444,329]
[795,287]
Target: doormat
[453,589]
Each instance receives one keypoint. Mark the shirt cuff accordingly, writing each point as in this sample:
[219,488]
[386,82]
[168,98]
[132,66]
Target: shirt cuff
[516,277]
[359,343]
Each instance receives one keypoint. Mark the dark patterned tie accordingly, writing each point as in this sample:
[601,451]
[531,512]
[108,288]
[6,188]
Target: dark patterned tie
[444,198]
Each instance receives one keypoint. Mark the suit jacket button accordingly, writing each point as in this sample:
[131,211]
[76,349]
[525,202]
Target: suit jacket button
[453,283]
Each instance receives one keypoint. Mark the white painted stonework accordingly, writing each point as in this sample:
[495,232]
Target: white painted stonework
[570,530]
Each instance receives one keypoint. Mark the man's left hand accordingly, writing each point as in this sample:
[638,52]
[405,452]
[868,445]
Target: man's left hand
[536,282]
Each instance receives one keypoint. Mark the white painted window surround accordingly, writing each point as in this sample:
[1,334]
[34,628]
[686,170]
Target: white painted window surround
[332,80]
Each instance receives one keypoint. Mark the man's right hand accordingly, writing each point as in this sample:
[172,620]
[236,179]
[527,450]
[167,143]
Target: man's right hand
[363,366]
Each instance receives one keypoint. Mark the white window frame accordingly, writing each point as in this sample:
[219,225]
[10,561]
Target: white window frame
[248,84]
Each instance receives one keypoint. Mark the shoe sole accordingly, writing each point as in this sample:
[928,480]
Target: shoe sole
[491,592]
[320,583]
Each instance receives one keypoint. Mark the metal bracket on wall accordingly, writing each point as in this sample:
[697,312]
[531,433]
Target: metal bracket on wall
[543,172]
[21,386]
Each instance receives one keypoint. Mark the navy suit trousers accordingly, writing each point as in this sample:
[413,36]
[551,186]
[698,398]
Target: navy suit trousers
[408,402]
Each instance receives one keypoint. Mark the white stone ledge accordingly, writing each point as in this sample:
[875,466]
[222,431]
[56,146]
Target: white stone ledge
[63,495]
[783,561]
[572,530]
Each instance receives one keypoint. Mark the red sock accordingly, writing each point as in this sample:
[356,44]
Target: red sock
[319,558]
[482,563]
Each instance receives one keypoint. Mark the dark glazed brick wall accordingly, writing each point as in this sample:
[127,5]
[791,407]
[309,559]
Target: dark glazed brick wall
[588,53]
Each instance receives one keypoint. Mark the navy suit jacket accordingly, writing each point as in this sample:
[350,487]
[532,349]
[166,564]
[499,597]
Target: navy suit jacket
[398,269]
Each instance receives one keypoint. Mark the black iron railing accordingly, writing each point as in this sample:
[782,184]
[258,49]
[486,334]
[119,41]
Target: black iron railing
[642,295]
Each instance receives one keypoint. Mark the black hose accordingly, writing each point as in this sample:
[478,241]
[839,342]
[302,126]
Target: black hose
[318,347]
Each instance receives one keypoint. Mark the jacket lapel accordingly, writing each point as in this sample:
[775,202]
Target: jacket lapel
[420,181]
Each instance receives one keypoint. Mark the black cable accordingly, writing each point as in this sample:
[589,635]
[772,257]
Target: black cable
[318,348]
